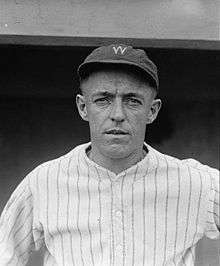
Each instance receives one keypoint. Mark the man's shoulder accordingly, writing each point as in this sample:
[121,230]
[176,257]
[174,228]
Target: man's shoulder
[189,163]
[61,162]
[193,163]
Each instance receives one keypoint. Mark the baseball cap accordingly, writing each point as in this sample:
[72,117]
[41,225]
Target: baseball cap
[120,54]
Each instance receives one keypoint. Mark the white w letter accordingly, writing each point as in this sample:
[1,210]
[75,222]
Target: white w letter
[119,48]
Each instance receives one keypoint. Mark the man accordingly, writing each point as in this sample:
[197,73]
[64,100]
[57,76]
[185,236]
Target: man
[116,200]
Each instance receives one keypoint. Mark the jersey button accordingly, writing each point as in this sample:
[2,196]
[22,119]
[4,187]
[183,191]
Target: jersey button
[118,214]
[119,248]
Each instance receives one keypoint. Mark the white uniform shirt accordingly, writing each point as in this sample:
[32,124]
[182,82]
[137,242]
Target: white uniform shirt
[152,214]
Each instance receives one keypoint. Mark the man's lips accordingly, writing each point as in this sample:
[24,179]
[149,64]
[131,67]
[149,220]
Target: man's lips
[116,131]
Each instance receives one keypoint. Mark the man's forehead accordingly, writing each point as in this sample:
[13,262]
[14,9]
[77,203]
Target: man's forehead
[114,79]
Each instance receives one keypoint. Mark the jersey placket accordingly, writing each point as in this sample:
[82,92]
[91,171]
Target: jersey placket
[117,237]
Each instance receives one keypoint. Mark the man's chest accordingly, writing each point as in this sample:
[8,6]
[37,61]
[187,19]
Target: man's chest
[123,221]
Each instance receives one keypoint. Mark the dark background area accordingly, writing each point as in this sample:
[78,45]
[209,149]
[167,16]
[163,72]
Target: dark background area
[39,120]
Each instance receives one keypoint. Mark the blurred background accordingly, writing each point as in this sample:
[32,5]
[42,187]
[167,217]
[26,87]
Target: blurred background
[43,42]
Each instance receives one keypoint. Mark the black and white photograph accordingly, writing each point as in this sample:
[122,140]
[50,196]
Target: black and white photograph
[109,133]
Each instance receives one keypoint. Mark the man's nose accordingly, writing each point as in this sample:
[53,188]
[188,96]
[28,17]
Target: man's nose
[117,112]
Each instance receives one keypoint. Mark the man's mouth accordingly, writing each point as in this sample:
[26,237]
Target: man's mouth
[116,132]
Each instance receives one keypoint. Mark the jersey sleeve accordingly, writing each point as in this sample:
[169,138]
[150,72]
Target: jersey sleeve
[213,213]
[213,220]
[18,237]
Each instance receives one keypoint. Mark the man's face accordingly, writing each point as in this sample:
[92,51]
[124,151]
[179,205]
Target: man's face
[117,106]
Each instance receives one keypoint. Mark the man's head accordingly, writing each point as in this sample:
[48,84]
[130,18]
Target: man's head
[121,55]
[118,99]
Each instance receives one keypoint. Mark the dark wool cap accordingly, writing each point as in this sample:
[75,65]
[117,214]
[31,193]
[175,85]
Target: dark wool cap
[120,54]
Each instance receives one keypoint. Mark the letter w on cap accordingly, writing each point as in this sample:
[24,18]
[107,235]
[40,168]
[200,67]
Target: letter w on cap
[119,49]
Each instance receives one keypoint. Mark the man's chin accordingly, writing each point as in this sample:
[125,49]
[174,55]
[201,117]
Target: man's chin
[117,151]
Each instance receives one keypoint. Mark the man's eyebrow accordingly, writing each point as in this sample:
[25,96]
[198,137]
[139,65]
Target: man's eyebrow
[103,93]
[135,95]
[129,94]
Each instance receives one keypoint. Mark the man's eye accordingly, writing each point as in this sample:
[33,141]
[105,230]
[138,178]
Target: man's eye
[134,102]
[101,101]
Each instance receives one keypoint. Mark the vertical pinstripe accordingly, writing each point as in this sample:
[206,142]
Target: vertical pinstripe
[132,216]
[177,214]
[22,228]
[100,213]
[123,225]
[155,213]
[24,238]
[68,209]
[88,221]
[58,212]
[47,205]
[197,215]
[78,209]
[8,218]
[70,205]
[38,190]
[112,245]
[198,208]
[47,213]
[144,216]
[166,211]
[188,208]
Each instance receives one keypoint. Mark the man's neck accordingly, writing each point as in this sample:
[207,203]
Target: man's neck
[116,165]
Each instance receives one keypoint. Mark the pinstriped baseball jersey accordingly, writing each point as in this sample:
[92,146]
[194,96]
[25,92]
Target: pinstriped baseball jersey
[153,213]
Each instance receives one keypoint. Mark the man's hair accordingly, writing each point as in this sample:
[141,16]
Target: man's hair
[132,70]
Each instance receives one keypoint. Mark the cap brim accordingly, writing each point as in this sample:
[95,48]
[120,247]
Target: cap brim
[87,67]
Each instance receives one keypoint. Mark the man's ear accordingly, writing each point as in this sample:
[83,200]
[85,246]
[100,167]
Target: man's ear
[81,105]
[154,110]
